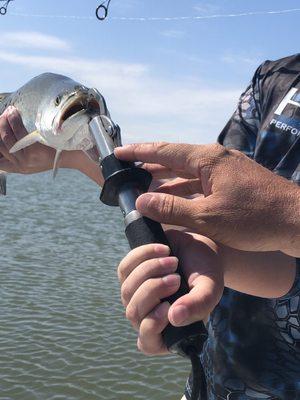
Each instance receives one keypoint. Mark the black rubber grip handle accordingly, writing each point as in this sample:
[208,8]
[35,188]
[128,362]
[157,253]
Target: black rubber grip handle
[145,231]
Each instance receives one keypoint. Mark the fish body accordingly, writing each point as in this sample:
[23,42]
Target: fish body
[56,111]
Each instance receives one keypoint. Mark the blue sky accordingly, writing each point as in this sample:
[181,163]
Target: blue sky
[176,80]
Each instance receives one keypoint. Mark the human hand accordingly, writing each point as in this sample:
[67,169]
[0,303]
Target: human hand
[37,157]
[147,276]
[244,206]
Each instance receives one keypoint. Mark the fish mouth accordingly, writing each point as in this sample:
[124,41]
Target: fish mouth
[75,105]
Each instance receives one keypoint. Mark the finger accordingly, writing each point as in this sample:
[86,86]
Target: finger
[160,172]
[181,187]
[7,135]
[154,268]
[16,123]
[6,154]
[149,295]
[7,166]
[198,303]
[174,210]
[150,340]
[162,153]
[138,255]
[204,276]
[186,157]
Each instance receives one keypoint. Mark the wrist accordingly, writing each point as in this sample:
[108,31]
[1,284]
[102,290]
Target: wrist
[77,159]
[71,159]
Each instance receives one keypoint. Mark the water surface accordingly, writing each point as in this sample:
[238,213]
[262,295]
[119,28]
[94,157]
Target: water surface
[63,334]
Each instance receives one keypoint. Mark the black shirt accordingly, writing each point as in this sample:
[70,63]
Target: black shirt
[253,348]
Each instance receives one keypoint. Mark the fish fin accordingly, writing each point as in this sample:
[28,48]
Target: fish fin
[93,154]
[27,140]
[3,183]
[56,161]
[3,96]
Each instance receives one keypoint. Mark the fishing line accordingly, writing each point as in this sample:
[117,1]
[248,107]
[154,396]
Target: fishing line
[164,19]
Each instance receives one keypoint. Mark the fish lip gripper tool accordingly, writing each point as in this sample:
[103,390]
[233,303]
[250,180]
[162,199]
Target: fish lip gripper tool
[124,182]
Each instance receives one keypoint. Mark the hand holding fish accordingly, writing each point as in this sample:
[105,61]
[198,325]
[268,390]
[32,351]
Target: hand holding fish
[36,157]
[32,159]
[245,205]
[55,111]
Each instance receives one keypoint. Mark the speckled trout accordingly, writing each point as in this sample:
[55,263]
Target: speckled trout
[56,112]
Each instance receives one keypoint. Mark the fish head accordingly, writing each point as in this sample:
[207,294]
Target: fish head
[60,110]
[64,114]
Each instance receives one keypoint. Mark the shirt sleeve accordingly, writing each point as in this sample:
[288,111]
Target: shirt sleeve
[240,133]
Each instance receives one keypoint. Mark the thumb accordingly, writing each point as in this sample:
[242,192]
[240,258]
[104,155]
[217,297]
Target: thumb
[198,303]
[173,210]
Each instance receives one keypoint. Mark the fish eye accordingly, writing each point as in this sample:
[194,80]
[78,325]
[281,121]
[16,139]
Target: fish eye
[57,100]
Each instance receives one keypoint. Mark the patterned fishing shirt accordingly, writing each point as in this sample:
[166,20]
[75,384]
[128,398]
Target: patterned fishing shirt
[253,347]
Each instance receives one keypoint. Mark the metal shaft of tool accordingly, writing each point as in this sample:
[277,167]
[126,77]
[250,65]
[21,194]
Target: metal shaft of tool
[104,142]
[127,193]
[124,182]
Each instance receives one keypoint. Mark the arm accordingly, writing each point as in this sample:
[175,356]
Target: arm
[80,161]
[262,274]
[245,205]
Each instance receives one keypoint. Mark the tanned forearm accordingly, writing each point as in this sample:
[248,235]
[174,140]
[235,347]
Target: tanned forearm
[80,161]
[262,274]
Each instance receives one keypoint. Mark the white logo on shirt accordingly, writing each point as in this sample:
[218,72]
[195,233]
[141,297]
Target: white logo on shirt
[285,127]
[287,100]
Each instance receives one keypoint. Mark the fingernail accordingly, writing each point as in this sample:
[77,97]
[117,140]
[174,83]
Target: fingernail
[169,262]
[143,201]
[162,249]
[179,314]
[161,311]
[171,280]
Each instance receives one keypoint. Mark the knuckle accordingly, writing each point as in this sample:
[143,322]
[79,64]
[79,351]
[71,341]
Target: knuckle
[121,271]
[132,314]
[125,293]
[219,150]
[3,121]
[136,149]
[162,148]
[167,205]
[146,348]
[210,301]
[236,152]
[159,145]
[143,348]
[215,154]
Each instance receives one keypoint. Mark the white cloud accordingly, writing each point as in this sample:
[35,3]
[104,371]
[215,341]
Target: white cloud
[146,106]
[34,40]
